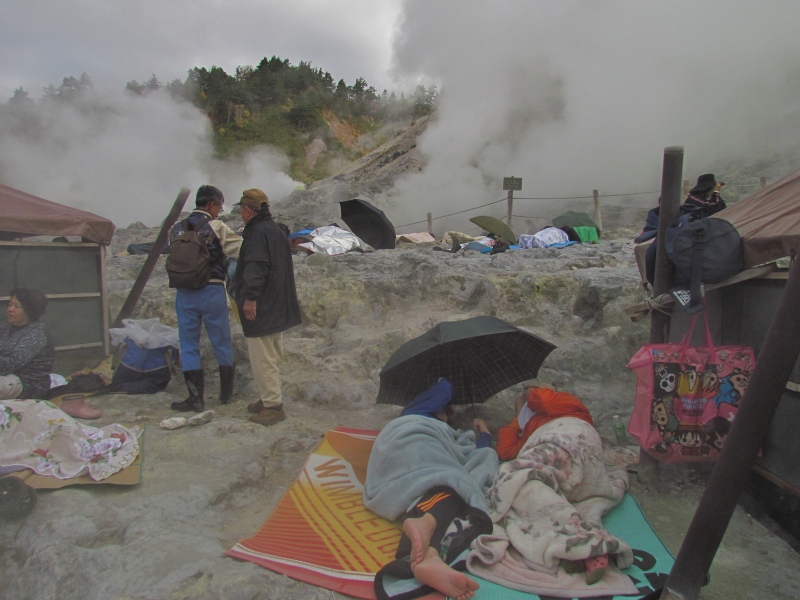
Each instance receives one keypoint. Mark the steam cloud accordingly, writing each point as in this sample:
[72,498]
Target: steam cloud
[576,96]
[571,96]
[125,157]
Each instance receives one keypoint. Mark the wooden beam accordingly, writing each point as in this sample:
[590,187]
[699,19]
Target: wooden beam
[638,311]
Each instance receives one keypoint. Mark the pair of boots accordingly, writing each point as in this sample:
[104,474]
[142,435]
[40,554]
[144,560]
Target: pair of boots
[196,385]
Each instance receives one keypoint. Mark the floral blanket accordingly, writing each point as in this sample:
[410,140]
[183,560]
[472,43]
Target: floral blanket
[547,505]
[34,434]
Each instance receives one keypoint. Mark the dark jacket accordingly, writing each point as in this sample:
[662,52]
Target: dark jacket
[265,273]
[704,207]
[650,226]
[28,353]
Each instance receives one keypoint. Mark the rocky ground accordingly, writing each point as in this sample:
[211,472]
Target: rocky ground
[204,488]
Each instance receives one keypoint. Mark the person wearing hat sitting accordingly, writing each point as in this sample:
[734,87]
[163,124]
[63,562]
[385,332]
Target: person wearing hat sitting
[704,197]
[26,352]
[266,298]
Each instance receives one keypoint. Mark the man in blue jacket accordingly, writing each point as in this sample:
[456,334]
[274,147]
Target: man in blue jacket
[266,297]
[207,305]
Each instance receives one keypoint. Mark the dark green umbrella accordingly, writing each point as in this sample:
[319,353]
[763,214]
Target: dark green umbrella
[480,357]
[573,218]
[495,226]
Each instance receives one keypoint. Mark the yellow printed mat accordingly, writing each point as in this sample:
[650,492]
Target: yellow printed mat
[320,532]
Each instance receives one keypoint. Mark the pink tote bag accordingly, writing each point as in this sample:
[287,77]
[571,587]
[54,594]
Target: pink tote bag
[687,397]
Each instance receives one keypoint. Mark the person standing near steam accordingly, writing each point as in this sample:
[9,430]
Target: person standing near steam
[266,298]
[207,305]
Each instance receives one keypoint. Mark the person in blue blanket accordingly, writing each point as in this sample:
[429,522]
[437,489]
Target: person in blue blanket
[434,478]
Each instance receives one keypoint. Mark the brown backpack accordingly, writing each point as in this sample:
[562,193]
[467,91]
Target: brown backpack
[188,261]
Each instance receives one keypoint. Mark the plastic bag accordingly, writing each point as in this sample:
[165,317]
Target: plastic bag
[145,333]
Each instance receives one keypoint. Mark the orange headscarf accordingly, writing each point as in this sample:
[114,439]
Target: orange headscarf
[547,405]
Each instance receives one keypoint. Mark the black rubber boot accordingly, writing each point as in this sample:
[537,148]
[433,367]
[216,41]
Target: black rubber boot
[196,387]
[226,378]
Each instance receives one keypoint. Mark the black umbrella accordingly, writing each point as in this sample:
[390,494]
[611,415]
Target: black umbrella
[480,357]
[368,223]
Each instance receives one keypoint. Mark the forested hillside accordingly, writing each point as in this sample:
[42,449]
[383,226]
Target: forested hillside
[275,103]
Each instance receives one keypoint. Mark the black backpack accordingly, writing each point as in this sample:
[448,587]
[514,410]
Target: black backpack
[703,250]
[188,261]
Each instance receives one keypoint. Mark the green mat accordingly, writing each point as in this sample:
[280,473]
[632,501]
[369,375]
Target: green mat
[652,561]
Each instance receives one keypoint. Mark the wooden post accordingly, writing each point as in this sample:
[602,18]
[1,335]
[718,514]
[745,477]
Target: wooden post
[687,185]
[152,258]
[430,223]
[598,217]
[510,208]
[765,388]
[763,181]
[664,273]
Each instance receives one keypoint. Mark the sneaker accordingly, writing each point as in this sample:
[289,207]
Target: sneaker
[269,416]
[255,407]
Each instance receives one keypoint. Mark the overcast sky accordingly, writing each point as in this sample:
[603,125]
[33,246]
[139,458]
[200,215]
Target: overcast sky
[44,41]
[570,95]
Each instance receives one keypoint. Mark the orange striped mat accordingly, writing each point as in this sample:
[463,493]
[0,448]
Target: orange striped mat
[320,531]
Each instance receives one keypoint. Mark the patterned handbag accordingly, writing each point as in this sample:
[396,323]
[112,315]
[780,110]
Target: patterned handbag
[686,396]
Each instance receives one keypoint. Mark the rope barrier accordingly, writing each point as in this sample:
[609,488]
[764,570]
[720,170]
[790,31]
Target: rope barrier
[451,214]
[605,211]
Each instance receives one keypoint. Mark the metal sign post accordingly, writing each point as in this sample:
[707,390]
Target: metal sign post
[511,184]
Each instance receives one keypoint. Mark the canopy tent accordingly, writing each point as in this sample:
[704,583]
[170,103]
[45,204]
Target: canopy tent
[71,274]
[768,221]
[27,215]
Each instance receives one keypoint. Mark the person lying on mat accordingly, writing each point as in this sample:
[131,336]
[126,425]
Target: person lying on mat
[548,500]
[433,477]
[26,352]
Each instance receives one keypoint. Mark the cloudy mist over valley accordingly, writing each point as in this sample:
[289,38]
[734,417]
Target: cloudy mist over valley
[570,96]
[579,96]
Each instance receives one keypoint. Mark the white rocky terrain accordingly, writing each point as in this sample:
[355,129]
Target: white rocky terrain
[204,488]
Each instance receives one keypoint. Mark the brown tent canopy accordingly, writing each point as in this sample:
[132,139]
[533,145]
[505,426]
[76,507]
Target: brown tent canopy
[25,215]
[768,221]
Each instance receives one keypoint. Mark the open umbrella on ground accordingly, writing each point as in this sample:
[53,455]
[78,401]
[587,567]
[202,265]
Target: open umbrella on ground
[368,223]
[480,357]
[573,218]
[495,226]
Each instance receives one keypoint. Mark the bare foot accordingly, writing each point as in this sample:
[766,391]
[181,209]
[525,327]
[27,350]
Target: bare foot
[434,572]
[419,531]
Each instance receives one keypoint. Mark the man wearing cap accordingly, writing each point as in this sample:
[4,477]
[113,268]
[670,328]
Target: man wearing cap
[704,197]
[266,297]
[207,305]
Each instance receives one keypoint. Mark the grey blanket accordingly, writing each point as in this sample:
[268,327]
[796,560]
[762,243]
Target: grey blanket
[413,454]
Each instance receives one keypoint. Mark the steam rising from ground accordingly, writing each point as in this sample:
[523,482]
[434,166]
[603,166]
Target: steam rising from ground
[576,96]
[571,96]
[125,157]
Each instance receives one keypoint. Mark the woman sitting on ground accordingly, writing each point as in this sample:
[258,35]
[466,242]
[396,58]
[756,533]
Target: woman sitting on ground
[547,503]
[26,352]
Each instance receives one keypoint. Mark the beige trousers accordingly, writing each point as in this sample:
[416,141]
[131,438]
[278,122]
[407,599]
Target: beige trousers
[10,387]
[266,354]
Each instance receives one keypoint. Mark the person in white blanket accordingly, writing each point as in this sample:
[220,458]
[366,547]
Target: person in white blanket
[546,504]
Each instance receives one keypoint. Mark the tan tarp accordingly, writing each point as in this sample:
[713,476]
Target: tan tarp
[25,215]
[768,221]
